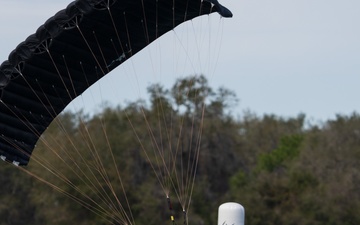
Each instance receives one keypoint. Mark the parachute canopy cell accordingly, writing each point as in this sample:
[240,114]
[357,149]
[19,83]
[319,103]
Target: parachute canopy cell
[70,52]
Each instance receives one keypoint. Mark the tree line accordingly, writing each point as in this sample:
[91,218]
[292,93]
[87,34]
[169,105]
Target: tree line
[282,170]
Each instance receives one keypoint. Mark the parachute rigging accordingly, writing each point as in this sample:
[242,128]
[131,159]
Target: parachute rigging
[72,51]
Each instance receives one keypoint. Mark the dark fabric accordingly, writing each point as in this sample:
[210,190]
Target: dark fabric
[34,90]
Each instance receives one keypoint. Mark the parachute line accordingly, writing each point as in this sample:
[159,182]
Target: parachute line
[90,158]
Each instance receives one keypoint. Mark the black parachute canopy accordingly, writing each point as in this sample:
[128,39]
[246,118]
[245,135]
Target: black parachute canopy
[70,52]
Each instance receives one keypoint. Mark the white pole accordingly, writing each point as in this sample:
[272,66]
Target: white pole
[231,213]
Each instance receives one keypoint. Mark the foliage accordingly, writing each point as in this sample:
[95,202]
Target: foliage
[281,172]
[288,149]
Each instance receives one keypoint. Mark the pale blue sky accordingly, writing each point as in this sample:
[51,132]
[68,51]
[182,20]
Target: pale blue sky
[279,56]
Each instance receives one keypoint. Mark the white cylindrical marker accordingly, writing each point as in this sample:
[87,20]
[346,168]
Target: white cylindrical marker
[231,213]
